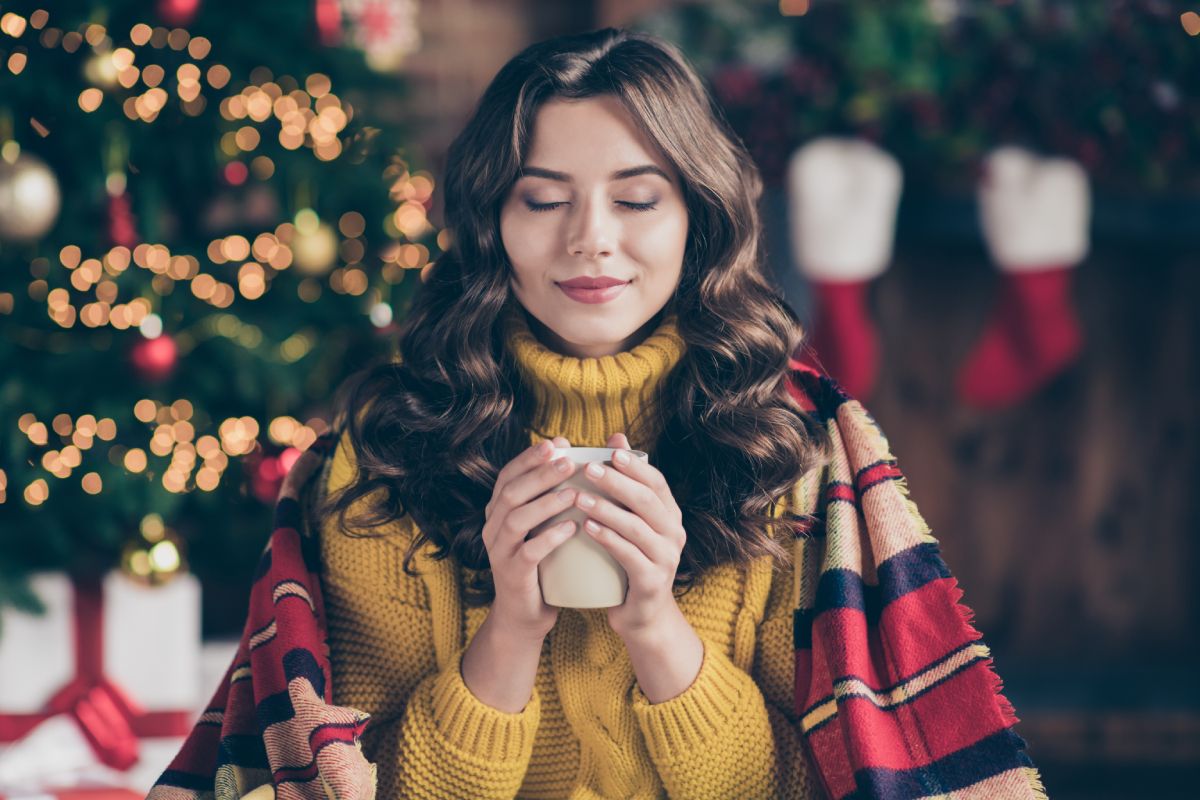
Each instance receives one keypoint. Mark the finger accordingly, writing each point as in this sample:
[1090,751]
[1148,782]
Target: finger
[529,459]
[631,559]
[525,488]
[522,520]
[630,527]
[646,474]
[548,541]
[635,495]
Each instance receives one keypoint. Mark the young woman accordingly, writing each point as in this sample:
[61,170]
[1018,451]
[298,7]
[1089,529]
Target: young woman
[590,160]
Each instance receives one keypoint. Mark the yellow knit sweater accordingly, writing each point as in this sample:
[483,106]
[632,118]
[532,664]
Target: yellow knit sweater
[588,732]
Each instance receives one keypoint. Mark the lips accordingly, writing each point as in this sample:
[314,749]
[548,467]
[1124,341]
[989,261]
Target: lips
[592,283]
[592,296]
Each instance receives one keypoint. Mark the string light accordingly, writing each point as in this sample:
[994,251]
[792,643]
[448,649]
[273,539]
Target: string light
[309,114]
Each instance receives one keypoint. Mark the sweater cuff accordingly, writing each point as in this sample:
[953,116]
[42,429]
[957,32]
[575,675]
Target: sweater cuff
[687,723]
[473,726]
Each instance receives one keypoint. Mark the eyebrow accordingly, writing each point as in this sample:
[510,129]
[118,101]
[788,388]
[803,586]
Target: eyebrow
[621,174]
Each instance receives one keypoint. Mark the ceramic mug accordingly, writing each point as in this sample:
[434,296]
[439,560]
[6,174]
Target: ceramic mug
[580,573]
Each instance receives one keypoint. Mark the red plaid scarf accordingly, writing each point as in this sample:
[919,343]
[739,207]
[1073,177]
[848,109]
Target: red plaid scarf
[894,689]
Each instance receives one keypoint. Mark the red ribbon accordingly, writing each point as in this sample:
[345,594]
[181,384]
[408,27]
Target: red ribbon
[110,720]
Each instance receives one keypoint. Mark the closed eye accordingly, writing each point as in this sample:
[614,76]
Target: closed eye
[538,207]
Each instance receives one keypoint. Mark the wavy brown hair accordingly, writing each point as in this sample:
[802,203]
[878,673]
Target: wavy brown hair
[431,428]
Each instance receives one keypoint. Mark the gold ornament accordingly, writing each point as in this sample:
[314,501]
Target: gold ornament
[29,198]
[314,244]
[155,555]
[100,70]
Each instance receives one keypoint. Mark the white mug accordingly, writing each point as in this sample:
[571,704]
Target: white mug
[580,573]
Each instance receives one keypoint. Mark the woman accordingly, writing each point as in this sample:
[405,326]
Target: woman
[597,157]
[588,158]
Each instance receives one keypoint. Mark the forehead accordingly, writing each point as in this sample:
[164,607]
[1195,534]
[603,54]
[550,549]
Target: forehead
[589,138]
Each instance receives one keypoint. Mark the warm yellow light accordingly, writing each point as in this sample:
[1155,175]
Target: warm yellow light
[236,248]
[207,479]
[164,557]
[37,433]
[90,99]
[218,76]
[135,460]
[92,484]
[352,224]
[37,492]
[13,24]
[317,84]
[140,34]
[152,527]
[199,48]
[145,410]
[207,445]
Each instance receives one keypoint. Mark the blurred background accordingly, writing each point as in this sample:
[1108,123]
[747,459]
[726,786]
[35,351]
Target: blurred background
[212,212]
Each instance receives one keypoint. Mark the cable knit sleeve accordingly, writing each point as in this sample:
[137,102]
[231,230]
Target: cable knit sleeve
[733,733]
[429,736]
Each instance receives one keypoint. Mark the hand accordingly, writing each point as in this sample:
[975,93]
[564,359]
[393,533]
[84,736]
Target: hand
[520,502]
[646,540]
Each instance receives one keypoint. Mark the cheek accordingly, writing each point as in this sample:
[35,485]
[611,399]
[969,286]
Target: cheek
[661,244]
[528,242]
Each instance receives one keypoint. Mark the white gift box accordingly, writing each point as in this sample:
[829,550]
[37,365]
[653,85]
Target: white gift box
[151,651]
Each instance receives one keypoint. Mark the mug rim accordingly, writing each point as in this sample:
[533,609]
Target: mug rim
[586,455]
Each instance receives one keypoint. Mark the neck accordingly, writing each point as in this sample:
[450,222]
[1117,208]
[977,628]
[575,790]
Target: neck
[587,399]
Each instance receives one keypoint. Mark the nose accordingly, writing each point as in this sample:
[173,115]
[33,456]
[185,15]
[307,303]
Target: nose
[589,231]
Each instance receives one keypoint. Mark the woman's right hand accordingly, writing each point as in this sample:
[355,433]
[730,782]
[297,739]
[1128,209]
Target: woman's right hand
[521,501]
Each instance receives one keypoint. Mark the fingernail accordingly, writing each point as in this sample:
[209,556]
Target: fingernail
[566,495]
[545,447]
[586,500]
[595,470]
[621,457]
[562,465]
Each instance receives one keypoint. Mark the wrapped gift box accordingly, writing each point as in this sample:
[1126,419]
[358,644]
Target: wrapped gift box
[113,661]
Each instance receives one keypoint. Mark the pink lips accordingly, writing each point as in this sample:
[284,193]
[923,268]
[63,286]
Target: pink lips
[593,295]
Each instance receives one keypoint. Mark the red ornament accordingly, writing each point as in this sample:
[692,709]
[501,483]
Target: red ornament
[328,14]
[178,12]
[122,227]
[155,359]
[267,473]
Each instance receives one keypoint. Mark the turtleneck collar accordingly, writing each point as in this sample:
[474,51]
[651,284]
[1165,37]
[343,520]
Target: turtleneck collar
[588,399]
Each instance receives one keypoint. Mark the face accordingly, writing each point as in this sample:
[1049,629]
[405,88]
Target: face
[596,200]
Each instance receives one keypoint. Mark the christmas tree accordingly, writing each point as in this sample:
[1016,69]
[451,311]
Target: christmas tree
[208,220]
[939,82]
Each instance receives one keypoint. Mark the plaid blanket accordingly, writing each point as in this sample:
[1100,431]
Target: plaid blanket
[894,690]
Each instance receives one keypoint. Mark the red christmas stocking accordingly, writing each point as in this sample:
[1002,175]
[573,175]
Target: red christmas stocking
[1032,335]
[844,342]
[1035,215]
[843,194]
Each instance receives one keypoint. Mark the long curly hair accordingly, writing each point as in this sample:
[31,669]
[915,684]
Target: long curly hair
[432,426]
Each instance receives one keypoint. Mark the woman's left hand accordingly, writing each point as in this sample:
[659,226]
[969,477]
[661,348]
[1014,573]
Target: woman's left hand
[646,540]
